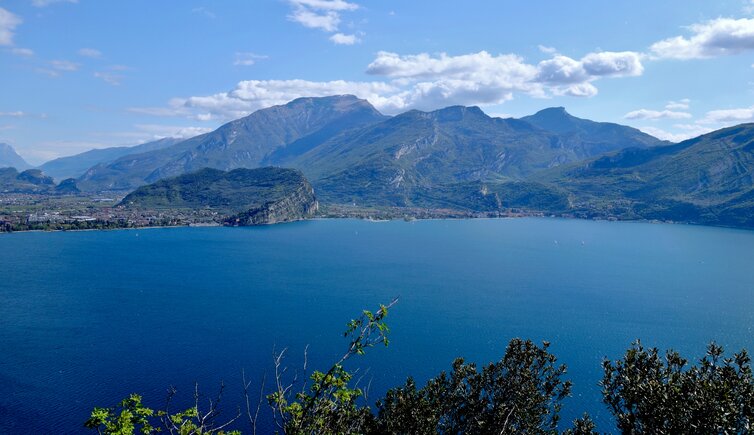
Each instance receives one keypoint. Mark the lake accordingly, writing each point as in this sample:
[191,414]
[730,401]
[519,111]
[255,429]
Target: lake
[88,317]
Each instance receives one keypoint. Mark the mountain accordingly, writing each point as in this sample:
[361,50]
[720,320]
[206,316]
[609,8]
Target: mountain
[76,165]
[589,138]
[10,159]
[259,139]
[30,181]
[244,196]
[708,179]
[385,163]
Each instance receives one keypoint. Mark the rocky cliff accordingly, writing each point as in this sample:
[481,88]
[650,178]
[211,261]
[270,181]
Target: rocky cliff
[299,204]
[239,197]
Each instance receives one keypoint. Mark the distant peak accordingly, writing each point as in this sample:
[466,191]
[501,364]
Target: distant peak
[458,112]
[559,110]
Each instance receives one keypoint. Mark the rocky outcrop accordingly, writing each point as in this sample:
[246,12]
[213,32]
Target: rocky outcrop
[239,197]
[299,204]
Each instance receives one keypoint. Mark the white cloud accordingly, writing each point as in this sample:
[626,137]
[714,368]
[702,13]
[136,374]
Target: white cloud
[656,114]
[613,64]
[64,65]
[682,104]
[158,131]
[666,135]
[547,50]
[23,52]
[252,95]
[90,52]
[343,39]
[16,114]
[729,116]
[688,131]
[45,3]
[327,21]
[109,78]
[324,15]
[722,36]
[247,59]
[8,23]
[326,5]
[559,75]
[561,70]
[421,81]
[585,90]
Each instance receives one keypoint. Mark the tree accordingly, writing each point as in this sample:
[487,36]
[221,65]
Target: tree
[329,405]
[651,395]
[520,393]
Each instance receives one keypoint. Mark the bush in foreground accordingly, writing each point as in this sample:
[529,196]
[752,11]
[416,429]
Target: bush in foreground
[521,393]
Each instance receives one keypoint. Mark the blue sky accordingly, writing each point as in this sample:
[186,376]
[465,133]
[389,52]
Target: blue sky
[76,75]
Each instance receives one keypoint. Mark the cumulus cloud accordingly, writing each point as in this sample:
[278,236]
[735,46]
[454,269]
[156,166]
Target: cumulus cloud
[722,36]
[730,116]
[613,64]
[323,15]
[560,75]
[420,81]
[247,58]
[343,39]
[90,52]
[8,23]
[656,114]
[327,21]
[252,95]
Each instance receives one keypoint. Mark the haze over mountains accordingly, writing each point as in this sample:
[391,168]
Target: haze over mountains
[457,157]
[73,166]
[10,159]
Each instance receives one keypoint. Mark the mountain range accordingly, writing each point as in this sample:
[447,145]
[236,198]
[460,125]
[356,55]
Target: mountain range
[74,166]
[459,157]
[707,179]
[343,143]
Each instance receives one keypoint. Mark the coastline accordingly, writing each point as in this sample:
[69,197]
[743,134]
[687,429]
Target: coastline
[397,218]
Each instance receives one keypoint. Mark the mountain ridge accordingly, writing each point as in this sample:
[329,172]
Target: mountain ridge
[9,158]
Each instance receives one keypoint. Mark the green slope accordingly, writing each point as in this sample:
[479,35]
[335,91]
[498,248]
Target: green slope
[383,164]
[708,179]
[243,196]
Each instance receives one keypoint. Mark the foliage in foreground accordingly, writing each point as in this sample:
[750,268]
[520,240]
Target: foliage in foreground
[521,393]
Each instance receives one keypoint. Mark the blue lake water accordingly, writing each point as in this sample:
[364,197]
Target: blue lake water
[88,317]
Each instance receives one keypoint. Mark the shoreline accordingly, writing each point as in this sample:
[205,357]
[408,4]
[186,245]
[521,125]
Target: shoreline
[373,220]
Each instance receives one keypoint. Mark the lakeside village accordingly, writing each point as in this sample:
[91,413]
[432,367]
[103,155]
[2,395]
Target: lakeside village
[27,212]
[30,212]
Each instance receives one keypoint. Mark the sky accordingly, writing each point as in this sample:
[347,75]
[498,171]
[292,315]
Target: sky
[83,74]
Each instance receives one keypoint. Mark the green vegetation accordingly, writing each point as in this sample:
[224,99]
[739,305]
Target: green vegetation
[521,393]
[702,180]
[242,196]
